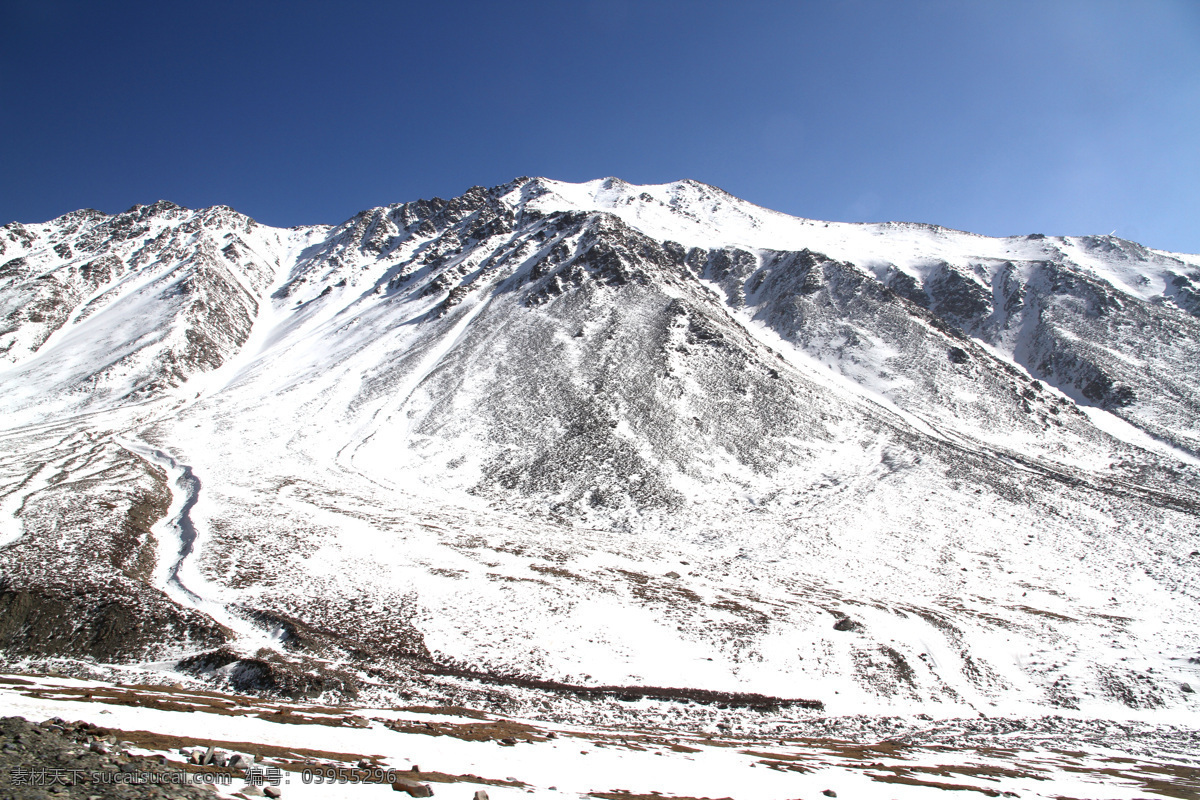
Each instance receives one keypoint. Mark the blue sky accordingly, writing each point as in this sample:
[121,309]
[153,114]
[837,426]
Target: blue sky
[997,117]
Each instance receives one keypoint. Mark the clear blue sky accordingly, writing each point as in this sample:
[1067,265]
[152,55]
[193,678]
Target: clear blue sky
[1002,117]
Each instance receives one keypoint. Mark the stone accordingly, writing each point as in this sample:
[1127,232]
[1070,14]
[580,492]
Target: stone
[480,794]
[272,791]
[414,788]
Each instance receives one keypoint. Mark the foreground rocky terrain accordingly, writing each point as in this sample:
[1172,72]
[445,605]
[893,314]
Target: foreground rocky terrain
[57,758]
[604,453]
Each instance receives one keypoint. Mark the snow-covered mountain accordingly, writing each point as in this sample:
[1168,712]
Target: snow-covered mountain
[624,441]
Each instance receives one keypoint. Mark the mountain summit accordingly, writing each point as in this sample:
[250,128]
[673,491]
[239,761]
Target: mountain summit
[552,440]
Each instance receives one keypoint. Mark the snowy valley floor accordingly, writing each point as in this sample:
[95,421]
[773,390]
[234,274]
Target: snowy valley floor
[459,751]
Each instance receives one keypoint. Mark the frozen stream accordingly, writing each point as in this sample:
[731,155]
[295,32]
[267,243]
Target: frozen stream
[179,542]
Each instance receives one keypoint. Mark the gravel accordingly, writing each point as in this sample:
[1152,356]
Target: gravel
[59,759]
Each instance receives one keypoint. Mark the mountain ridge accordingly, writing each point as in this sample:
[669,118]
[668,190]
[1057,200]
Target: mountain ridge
[547,396]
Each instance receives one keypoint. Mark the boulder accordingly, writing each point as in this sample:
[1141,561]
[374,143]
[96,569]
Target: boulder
[414,788]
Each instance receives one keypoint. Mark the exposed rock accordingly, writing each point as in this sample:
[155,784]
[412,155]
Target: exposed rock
[51,746]
[414,788]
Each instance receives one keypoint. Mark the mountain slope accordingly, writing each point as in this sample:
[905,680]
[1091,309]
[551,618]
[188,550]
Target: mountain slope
[118,308]
[607,435]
